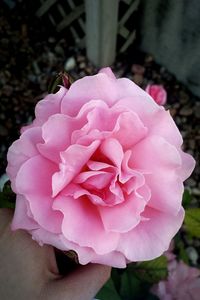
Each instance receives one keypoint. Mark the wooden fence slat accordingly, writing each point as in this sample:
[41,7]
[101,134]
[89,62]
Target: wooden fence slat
[70,17]
[80,21]
[128,42]
[101,30]
[123,31]
[45,7]
[128,13]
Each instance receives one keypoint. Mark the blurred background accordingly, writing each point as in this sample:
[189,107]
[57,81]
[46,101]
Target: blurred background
[148,41]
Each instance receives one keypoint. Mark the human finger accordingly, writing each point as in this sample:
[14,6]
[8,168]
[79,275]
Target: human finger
[82,284]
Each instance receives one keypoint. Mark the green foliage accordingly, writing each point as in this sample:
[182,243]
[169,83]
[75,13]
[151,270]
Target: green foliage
[152,271]
[192,221]
[132,287]
[187,197]
[180,249]
[135,281]
[108,292]
[7,197]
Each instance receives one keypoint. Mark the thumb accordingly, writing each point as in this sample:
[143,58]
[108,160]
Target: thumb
[82,284]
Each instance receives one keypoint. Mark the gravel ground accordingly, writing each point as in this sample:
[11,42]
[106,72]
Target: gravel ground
[32,54]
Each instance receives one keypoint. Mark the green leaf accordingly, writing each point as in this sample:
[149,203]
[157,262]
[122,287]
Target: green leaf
[180,250]
[108,291]
[7,197]
[152,271]
[187,197]
[116,277]
[192,221]
[130,286]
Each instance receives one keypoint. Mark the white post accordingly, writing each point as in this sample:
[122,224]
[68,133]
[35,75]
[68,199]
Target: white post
[101,31]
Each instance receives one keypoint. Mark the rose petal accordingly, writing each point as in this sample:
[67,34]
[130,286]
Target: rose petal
[73,160]
[54,143]
[94,179]
[21,220]
[188,165]
[164,182]
[150,238]
[82,224]
[108,72]
[162,124]
[137,102]
[124,216]
[107,89]
[129,125]
[112,149]
[98,165]
[34,182]
[46,107]
[21,150]
[97,87]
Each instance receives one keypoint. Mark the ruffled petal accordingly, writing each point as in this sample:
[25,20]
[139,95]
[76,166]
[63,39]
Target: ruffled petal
[82,224]
[47,107]
[188,165]
[73,160]
[151,237]
[112,149]
[124,216]
[163,178]
[21,220]
[108,72]
[163,125]
[21,150]
[129,125]
[54,143]
[34,182]
[108,89]
[139,103]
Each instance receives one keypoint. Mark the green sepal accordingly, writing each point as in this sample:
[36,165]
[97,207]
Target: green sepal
[61,78]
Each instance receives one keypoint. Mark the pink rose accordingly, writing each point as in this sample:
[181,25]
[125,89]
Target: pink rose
[183,283]
[158,93]
[100,171]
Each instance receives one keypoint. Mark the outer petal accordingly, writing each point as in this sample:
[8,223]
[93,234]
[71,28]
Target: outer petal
[163,180]
[34,182]
[108,89]
[97,87]
[21,220]
[140,103]
[47,107]
[188,165]
[162,124]
[21,150]
[82,224]
[152,236]
[87,255]
[114,259]
[108,72]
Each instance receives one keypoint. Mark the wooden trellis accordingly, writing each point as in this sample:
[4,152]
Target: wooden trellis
[109,23]
[65,14]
